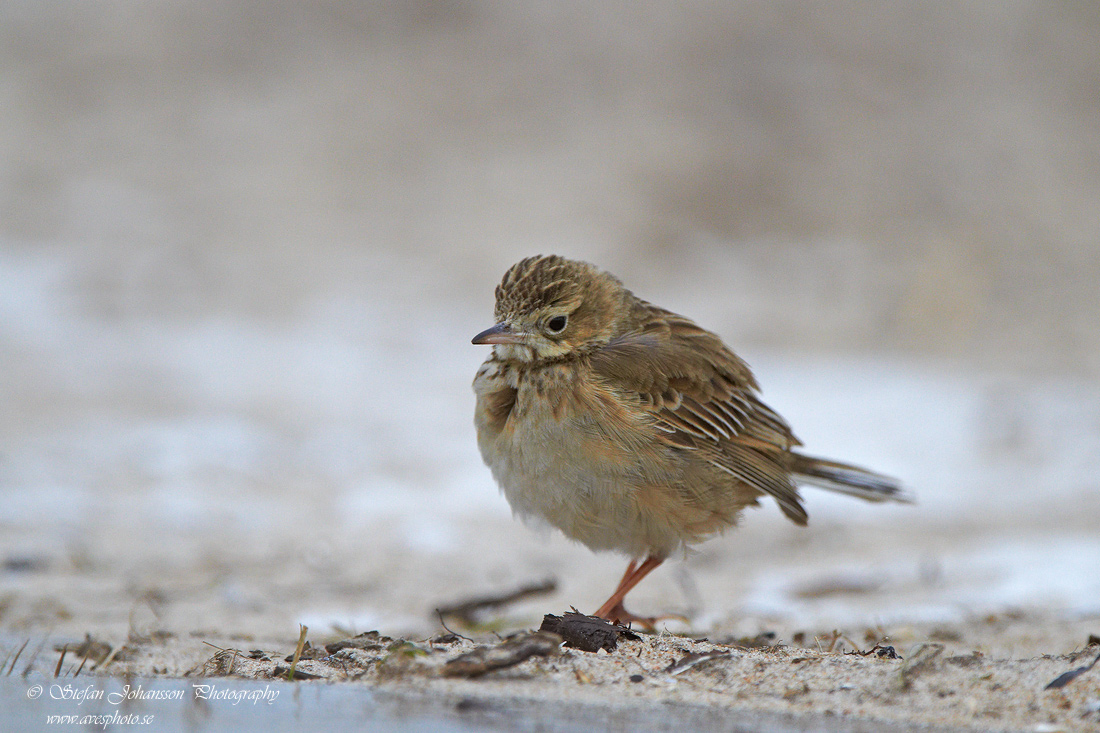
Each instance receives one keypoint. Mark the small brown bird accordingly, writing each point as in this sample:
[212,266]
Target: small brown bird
[629,427]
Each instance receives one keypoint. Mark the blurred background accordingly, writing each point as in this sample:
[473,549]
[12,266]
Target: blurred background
[243,248]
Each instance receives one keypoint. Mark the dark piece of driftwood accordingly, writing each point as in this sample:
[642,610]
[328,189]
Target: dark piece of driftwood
[587,633]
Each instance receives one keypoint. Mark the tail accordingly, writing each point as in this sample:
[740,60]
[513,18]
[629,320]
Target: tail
[846,479]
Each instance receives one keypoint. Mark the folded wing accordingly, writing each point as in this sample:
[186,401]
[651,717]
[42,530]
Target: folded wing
[704,398]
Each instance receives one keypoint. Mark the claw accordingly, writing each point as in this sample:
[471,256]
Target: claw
[618,614]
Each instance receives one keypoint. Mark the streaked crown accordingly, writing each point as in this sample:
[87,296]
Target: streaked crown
[537,282]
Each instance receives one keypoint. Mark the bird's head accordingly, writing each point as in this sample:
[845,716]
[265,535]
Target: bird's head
[549,308]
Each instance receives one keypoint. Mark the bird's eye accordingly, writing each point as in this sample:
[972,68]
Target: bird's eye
[556,324]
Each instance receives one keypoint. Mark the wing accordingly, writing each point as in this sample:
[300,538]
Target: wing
[703,398]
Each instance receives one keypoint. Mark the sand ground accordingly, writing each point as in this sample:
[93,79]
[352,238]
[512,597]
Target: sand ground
[913,678]
[243,249]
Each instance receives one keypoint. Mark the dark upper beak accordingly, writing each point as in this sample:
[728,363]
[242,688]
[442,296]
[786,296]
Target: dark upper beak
[501,333]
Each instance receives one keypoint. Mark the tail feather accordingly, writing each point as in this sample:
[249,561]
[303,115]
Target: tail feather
[847,479]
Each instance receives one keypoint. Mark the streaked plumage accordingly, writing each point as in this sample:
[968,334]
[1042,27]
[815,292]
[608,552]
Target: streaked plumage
[629,427]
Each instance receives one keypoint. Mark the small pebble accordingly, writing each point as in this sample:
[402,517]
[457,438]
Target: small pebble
[636,678]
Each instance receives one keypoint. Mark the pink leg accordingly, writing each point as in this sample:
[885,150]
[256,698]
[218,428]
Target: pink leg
[613,609]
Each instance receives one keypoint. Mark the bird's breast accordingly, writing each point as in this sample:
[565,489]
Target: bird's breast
[568,449]
[556,420]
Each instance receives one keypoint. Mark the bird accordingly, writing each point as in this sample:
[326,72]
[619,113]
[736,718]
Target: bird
[628,427]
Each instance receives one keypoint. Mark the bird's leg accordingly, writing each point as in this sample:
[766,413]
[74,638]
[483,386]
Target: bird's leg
[629,571]
[613,609]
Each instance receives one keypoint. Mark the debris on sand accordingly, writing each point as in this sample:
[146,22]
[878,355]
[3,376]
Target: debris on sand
[368,640]
[919,661]
[1066,677]
[587,633]
[467,611]
[508,654]
[692,660]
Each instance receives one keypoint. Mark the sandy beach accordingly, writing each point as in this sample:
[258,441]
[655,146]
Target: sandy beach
[243,251]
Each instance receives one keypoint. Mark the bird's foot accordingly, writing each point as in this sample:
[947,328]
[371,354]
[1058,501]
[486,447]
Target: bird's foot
[617,614]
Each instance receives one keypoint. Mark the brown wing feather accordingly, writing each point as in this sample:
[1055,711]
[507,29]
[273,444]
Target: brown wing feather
[703,398]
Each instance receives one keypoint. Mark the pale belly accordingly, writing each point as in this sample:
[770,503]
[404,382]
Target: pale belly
[581,462]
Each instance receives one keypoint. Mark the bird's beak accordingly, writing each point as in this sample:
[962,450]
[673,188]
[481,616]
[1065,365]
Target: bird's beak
[501,333]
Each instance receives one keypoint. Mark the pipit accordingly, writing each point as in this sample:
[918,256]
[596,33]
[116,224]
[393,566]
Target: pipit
[628,427]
